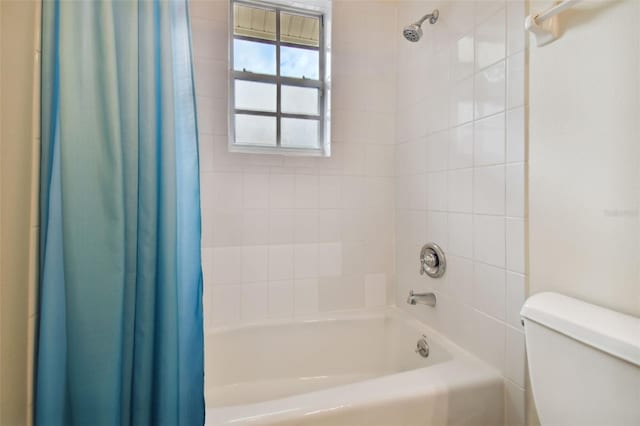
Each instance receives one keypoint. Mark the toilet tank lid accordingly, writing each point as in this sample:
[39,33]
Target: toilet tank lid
[612,332]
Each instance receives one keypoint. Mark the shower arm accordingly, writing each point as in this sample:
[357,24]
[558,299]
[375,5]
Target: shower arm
[432,17]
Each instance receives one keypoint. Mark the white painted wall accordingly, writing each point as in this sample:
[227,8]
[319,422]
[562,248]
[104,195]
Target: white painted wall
[585,157]
[460,166]
[584,177]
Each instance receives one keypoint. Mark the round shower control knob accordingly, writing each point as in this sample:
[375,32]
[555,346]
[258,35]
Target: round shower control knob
[432,261]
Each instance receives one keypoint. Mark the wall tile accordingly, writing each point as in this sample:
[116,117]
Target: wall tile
[375,290]
[437,191]
[226,265]
[515,80]
[461,234]
[437,229]
[226,227]
[490,90]
[305,226]
[306,296]
[305,261]
[462,57]
[459,279]
[281,191]
[461,147]
[515,180]
[515,245]
[515,357]
[211,77]
[379,160]
[490,40]
[489,340]
[461,107]
[255,227]
[417,192]
[280,299]
[281,224]
[489,141]
[306,191]
[484,9]
[515,136]
[329,225]
[209,41]
[516,34]
[340,293]
[460,190]
[256,190]
[516,291]
[225,306]
[489,190]
[353,257]
[489,239]
[208,10]
[353,194]
[489,290]
[329,259]
[254,301]
[255,263]
[280,262]
[329,192]
[437,152]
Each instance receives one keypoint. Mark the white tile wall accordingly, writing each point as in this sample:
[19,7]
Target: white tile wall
[467,192]
[285,236]
[436,152]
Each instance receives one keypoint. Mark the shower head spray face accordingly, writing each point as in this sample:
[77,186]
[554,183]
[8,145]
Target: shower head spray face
[413,32]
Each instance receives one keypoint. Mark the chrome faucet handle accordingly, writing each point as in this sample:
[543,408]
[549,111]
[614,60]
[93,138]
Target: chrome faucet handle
[431,260]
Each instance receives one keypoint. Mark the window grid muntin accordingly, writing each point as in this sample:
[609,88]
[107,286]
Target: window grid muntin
[280,80]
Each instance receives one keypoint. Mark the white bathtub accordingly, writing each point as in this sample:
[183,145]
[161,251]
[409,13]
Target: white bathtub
[357,368]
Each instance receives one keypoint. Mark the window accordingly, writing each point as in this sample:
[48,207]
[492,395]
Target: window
[278,92]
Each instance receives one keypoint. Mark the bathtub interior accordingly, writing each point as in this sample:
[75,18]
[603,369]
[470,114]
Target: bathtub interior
[249,364]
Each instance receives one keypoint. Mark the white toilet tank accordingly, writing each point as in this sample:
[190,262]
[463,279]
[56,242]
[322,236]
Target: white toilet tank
[584,362]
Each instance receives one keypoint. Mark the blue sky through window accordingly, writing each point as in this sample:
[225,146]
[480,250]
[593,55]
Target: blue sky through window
[254,57]
[260,58]
[299,62]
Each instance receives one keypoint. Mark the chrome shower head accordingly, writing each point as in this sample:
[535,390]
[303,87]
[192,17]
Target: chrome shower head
[413,32]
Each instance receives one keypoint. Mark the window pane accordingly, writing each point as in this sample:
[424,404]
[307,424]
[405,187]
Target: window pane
[299,63]
[255,96]
[255,130]
[254,57]
[254,22]
[300,29]
[298,133]
[299,100]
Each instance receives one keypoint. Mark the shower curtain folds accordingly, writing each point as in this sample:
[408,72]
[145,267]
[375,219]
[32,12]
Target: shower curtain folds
[120,326]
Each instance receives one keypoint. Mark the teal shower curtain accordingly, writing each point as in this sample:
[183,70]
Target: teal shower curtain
[120,326]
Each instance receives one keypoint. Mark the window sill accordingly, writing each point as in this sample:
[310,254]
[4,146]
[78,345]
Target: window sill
[279,150]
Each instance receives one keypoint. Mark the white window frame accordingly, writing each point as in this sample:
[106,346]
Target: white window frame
[320,9]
